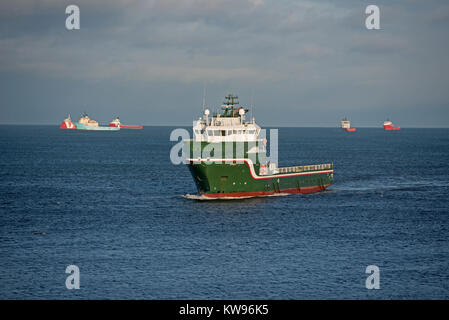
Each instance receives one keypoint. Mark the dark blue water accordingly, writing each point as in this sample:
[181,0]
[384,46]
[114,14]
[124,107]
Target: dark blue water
[112,204]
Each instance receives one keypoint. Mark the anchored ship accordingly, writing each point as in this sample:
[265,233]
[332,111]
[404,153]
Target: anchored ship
[346,125]
[67,123]
[227,159]
[116,123]
[388,125]
[85,123]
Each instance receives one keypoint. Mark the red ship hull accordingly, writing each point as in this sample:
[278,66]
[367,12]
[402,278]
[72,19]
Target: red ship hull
[267,193]
[350,129]
[389,127]
[125,127]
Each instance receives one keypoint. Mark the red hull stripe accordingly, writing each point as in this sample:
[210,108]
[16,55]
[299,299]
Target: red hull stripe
[266,193]
[125,127]
[389,127]
[256,177]
[131,127]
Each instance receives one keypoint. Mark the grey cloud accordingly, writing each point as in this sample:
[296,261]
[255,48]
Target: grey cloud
[318,53]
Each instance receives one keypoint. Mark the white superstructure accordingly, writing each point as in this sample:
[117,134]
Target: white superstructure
[345,124]
[229,126]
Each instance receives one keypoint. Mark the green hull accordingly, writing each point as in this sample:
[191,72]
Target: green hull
[216,178]
[238,180]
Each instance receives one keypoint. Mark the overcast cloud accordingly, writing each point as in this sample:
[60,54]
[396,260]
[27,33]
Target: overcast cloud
[309,63]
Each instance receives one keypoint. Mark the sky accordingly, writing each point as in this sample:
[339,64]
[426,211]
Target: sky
[302,63]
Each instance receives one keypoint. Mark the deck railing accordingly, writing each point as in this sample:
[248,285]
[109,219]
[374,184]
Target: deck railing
[314,167]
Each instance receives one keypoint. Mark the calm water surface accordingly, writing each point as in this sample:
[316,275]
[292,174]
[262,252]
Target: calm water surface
[112,204]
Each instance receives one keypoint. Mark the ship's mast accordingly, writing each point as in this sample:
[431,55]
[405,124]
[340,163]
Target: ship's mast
[204,97]
[228,105]
[252,105]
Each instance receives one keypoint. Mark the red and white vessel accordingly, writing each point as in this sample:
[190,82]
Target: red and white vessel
[346,125]
[388,125]
[116,123]
[67,124]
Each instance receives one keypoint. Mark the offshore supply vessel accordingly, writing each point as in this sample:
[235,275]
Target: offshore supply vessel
[86,123]
[388,125]
[346,126]
[227,159]
[116,123]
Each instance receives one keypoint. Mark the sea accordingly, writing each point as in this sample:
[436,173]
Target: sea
[113,205]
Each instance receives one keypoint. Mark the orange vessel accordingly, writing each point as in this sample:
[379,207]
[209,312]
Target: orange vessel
[388,125]
[116,123]
[346,125]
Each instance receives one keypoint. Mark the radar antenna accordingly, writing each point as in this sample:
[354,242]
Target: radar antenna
[228,105]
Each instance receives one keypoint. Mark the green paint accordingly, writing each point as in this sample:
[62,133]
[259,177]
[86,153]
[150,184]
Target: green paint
[220,177]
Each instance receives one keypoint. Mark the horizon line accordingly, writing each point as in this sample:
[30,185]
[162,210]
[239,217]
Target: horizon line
[269,126]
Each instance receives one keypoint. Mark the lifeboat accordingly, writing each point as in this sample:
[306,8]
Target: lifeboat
[116,123]
[67,124]
[388,125]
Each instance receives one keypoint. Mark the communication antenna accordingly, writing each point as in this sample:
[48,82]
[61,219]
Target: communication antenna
[204,97]
[252,104]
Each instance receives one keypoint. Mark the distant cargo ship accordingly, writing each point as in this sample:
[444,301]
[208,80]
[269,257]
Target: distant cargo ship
[346,125]
[85,123]
[388,125]
[67,124]
[116,123]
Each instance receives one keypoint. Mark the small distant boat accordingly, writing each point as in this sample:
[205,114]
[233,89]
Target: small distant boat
[67,124]
[346,125]
[116,123]
[85,123]
[388,125]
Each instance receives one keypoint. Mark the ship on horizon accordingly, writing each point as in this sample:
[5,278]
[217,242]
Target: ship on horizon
[86,123]
[244,173]
[388,125]
[346,125]
[116,123]
[67,123]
